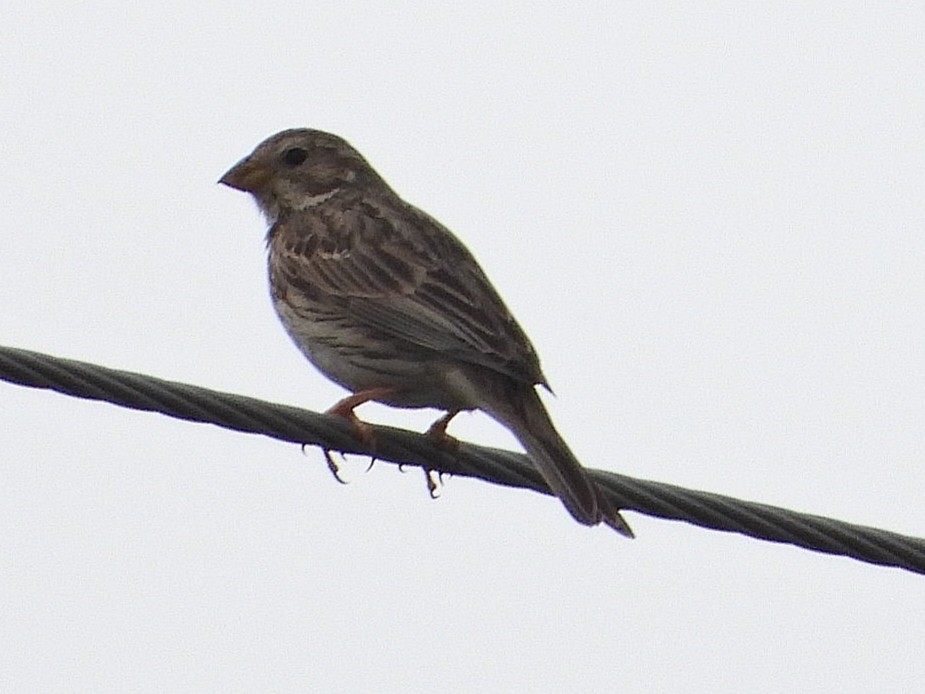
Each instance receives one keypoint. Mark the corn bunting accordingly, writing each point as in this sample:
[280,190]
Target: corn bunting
[387,302]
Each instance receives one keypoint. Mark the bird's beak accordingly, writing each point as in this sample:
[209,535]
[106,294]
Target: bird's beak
[246,175]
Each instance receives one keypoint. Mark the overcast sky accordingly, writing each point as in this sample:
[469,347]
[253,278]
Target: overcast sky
[710,222]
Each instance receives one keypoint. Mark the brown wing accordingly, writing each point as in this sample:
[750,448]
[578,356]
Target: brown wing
[397,270]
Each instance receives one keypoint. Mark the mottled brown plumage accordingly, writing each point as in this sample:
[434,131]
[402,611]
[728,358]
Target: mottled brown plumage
[386,301]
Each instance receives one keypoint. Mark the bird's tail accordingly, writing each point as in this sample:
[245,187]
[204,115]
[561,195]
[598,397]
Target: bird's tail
[530,423]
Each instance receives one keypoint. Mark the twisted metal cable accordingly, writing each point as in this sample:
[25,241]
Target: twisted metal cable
[241,413]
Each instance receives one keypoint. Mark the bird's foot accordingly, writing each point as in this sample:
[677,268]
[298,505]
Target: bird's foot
[437,432]
[363,431]
[434,482]
[332,466]
[344,409]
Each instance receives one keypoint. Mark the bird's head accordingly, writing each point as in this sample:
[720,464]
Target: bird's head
[298,169]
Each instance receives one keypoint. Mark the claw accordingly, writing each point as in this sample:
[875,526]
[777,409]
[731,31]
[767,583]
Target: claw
[332,466]
[432,484]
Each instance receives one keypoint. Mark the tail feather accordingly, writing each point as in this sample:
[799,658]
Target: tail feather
[531,424]
[569,482]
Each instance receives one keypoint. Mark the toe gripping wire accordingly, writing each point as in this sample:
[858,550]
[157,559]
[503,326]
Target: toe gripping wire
[244,414]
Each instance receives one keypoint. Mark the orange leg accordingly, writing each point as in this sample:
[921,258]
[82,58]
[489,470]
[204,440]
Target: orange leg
[345,407]
[437,431]
[364,432]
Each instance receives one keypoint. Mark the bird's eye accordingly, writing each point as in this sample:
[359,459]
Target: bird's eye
[294,156]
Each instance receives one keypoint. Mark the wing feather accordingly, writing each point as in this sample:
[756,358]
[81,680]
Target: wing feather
[396,270]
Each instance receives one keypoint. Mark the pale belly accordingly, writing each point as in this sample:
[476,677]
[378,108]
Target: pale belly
[359,360]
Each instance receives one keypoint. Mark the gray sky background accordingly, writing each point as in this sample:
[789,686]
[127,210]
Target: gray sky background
[708,219]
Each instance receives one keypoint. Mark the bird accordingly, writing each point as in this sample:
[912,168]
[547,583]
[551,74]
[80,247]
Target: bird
[387,302]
